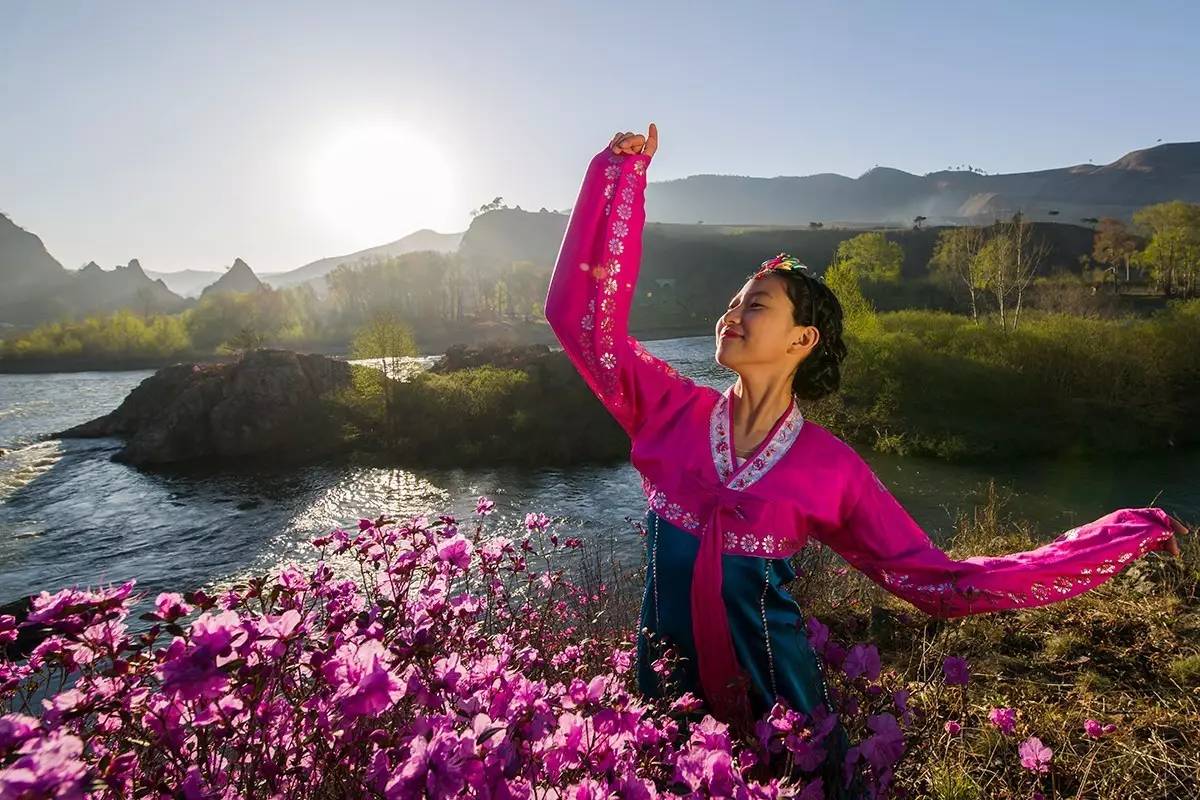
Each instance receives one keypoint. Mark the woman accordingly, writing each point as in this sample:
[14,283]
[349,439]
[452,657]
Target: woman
[737,481]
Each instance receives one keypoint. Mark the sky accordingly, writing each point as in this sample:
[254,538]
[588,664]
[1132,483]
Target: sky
[190,134]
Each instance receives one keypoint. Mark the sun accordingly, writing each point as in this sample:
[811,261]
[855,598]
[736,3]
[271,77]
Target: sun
[377,182]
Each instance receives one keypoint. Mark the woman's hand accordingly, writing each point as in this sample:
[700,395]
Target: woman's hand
[627,142]
[1172,545]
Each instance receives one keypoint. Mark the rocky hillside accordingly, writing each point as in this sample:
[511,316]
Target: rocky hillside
[883,195]
[423,239]
[25,265]
[238,278]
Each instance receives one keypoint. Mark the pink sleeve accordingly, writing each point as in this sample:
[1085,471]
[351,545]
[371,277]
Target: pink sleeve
[592,289]
[879,537]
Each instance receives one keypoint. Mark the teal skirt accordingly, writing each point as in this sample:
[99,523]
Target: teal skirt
[767,625]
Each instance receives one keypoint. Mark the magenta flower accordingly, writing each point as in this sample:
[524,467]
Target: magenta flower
[456,550]
[956,670]
[484,506]
[1004,718]
[862,660]
[170,606]
[686,703]
[885,745]
[15,729]
[1035,756]
[953,728]
[537,522]
[365,685]
[1095,729]
[47,767]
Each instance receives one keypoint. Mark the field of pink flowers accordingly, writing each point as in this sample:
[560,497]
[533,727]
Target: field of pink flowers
[435,657]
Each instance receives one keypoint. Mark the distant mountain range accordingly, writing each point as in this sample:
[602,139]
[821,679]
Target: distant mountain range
[34,287]
[884,195]
[191,282]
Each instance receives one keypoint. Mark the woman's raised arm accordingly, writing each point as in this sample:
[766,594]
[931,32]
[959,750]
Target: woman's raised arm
[592,289]
[880,538]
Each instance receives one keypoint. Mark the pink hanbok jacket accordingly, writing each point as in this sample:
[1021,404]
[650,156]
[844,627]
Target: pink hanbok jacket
[801,482]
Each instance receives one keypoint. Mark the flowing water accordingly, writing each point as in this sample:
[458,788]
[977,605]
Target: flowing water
[70,515]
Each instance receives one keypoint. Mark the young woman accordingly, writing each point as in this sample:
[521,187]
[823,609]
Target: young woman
[737,481]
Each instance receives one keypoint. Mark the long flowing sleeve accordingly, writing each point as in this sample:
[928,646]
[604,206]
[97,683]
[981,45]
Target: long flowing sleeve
[879,538]
[592,289]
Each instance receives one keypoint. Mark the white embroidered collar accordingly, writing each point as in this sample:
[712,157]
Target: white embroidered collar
[768,453]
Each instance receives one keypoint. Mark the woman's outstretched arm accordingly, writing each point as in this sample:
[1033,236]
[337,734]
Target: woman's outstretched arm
[592,289]
[880,538]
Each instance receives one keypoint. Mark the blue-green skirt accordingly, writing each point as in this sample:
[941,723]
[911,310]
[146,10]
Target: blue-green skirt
[767,625]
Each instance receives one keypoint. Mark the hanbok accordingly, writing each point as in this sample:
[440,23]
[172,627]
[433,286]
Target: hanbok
[719,531]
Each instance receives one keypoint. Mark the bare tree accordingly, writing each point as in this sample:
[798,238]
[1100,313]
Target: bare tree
[955,258]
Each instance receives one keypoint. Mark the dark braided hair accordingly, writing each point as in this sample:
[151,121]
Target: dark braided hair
[814,303]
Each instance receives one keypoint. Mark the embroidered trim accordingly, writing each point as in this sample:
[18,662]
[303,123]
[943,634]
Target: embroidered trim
[749,472]
[1060,586]
[764,545]
[598,352]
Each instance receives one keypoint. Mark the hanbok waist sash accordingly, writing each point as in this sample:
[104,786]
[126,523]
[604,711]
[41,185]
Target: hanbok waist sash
[725,514]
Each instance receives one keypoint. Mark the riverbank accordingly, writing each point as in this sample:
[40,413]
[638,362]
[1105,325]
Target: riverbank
[431,340]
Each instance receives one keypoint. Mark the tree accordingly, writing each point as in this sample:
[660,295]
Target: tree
[1114,244]
[955,261]
[496,204]
[917,220]
[1173,252]
[843,281]
[872,257]
[1007,263]
[242,342]
[385,337]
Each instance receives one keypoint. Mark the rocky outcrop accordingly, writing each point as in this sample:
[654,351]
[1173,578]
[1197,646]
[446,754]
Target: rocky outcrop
[269,402]
[504,357]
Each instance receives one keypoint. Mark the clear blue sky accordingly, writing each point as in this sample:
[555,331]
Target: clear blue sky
[185,134]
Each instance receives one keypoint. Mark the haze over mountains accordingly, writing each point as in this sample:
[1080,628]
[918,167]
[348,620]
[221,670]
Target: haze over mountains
[885,195]
[34,286]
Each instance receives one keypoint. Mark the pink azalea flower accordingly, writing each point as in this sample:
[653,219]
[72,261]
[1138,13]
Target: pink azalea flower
[170,606]
[1095,729]
[862,660]
[456,550]
[15,729]
[48,767]
[537,522]
[686,703]
[1035,756]
[365,684]
[956,670]
[1004,718]
[885,745]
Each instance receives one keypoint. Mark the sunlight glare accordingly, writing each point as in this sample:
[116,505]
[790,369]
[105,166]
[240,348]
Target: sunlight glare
[375,183]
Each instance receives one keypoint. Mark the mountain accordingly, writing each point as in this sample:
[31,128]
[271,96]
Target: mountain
[424,239]
[238,278]
[886,195]
[25,265]
[186,282]
[36,288]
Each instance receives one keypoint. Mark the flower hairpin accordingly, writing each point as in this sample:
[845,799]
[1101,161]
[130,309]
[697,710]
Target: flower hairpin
[783,261]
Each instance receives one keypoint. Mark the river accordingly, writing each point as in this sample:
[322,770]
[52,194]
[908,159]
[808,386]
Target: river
[70,515]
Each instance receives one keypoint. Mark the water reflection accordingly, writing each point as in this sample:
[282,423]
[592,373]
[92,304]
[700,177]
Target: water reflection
[68,514]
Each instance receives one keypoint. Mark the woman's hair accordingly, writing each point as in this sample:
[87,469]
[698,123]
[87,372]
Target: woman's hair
[814,303]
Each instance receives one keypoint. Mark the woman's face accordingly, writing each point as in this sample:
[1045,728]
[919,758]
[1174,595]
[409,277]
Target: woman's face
[759,328]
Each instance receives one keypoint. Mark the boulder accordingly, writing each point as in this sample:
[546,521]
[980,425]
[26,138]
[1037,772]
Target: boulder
[267,402]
